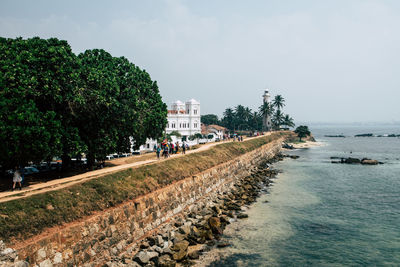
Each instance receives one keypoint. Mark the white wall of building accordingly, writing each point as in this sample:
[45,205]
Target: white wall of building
[184,118]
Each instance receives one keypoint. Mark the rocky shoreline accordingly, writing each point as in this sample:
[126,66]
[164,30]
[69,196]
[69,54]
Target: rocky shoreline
[181,242]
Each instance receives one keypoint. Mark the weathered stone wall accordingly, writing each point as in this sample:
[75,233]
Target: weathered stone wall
[116,230]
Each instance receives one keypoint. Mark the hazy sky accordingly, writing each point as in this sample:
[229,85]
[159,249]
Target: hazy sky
[332,61]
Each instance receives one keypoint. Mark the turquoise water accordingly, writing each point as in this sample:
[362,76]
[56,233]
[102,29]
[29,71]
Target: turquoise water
[323,214]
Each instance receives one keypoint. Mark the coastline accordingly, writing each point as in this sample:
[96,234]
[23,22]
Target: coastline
[306,144]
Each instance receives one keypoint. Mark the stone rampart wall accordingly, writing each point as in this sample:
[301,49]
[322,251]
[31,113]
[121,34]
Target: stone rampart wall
[112,232]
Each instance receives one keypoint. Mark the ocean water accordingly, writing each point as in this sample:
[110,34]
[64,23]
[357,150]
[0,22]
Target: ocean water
[323,214]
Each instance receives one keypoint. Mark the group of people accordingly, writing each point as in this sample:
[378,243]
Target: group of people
[165,149]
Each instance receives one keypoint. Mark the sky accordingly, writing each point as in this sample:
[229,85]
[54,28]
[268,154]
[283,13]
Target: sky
[332,60]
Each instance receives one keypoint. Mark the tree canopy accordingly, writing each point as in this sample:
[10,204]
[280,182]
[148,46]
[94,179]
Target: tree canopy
[209,119]
[56,104]
[302,131]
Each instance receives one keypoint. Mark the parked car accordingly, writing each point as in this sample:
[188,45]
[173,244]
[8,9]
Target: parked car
[30,170]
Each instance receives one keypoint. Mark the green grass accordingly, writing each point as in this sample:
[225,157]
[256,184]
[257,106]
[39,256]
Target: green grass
[26,217]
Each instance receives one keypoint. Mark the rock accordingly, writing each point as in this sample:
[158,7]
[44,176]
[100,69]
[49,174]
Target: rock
[152,254]
[132,264]
[2,245]
[184,229]
[160,240]
[369,162]
[215,225]
[8,254]
[194,251]
[21,264]
[165,261]
[49,207]
[242,216]
[57,258]
[144,245]
[223,244]
[142,257]
[151,240]
[352,161]
[46,263]
[179,250]
[179,237]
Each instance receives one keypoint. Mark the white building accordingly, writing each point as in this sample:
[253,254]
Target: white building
[217,132]
[184,118]
[267,125]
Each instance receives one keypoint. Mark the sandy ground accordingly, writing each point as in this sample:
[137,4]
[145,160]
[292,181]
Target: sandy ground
[69,181]
[306,144]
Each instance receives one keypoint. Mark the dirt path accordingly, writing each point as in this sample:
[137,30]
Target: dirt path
[69,181]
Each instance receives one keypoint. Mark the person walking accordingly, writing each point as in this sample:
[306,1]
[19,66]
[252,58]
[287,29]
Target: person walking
[177,147]
[17,178]
[158,150]
[183,148]
[166,148]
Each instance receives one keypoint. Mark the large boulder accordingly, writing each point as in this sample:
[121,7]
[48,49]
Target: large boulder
[180,250]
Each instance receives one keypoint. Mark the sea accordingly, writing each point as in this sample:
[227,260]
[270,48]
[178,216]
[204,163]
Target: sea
[318,213]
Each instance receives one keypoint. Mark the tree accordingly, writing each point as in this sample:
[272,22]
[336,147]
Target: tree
[279,102]
[209,119]
[288,121]
[302,131]
[266,110]
[228,119]
[37,82]
[277,119]
[120,105]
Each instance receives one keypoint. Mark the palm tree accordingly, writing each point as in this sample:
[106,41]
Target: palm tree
[266,111]
[240,116]
[279,102]
[288,121]
[228,119]
[277,119]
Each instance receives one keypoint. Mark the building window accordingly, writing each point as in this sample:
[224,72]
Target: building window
[180,125]
[195,125]
[168,125]
[187,111]
[195,112]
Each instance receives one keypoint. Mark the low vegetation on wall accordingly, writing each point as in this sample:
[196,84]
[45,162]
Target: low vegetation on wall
[26,217]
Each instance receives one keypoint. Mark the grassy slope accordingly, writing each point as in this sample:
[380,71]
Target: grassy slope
[23,218]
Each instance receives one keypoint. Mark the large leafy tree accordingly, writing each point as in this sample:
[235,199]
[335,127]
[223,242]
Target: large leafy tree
[209,119]
[37,84]
[302,131]
[121,105]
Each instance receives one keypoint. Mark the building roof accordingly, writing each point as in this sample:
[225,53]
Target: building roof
[216,127]
[206,129]
[192,101]
[178,102]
